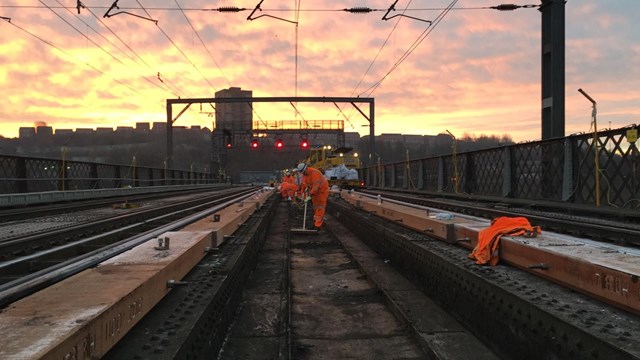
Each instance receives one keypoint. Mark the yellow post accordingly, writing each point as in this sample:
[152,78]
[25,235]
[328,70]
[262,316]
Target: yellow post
[408,169]
[64,165]
[133,163]
[455,163]
[378,178]
[596,149]
[596,160]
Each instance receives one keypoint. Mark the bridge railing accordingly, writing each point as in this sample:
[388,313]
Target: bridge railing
[562,169]
[20,174]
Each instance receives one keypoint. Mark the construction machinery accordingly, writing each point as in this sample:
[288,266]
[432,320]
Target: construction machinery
[338,165]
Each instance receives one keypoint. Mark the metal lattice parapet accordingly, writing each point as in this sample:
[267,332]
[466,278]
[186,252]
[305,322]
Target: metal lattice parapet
[25,174]
[562,169]
[618,170]
[429,174]
[485,172]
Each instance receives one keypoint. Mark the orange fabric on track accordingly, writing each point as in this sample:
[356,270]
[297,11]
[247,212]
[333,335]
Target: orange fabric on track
[487,249]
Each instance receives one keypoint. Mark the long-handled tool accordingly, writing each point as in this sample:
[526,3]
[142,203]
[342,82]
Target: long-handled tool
[304,229]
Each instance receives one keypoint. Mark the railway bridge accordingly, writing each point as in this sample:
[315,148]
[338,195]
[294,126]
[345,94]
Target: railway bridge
[98,261]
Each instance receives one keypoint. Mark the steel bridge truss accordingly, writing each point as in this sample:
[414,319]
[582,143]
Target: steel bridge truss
[562,169]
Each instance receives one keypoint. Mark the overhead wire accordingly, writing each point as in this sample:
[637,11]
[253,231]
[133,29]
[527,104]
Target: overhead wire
[503,7]
[73,57]
[82,34]
[104,38]
[168,84]
[410,50]
[297,22]
[178,48]
[203,44]
[374,60]
[297,9]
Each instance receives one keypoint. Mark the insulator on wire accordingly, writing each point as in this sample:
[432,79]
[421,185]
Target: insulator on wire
[359,10]
[506,7]
[229,9]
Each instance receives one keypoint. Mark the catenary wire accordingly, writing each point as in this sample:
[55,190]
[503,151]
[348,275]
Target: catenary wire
[107,40]
[374,60]
[408,52]
[73,57]
[271,10]
[203,44]
[178,48]
[170,87]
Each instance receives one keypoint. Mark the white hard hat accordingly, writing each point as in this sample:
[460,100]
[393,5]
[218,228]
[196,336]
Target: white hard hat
[302,167]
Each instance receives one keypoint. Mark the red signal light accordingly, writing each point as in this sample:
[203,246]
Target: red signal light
[254,144]
[229,145]
[304,144]
[279,144]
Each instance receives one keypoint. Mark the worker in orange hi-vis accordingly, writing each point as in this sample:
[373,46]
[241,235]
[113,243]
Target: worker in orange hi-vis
[281,188]
[300,187]
[318,192]
[289,186]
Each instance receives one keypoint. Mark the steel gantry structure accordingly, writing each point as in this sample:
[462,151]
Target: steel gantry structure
[216,100]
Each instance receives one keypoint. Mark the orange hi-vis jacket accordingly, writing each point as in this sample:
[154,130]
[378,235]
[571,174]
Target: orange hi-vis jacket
[318,187]
[315,181]
[288,187]
[487,249]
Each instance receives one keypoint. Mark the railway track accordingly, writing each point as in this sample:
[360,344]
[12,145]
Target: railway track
[368,288]
[39,260]
[613,227]
[518,314]
[315,296]
[13,214]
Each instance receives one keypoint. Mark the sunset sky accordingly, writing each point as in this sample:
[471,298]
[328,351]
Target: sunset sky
[476,71]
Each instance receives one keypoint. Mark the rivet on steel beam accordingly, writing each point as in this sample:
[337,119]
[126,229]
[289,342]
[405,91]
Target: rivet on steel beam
[216,218]
[542,266]
[173,283]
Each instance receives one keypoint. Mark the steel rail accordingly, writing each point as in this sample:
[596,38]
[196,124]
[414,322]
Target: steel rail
[622,233]
[19,288]
[84,237]
[15,247]
[12,214]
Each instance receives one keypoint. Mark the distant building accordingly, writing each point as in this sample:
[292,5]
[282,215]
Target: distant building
[84,131]
[143,128]
[236,117]
[26,132]
[63,132]
[124,130]
[159,127]
[44,136]
[44,131]
[388,138]
[104,131]
[351,139]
